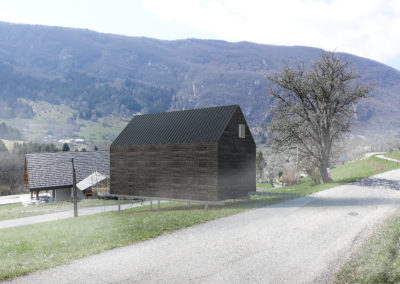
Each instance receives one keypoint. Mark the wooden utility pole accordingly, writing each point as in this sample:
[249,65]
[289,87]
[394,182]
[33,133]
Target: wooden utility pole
[74,189]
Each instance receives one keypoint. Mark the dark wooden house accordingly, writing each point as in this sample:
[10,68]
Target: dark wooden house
[203,154]
[53,171]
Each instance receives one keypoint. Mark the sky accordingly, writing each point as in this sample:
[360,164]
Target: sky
[367,28]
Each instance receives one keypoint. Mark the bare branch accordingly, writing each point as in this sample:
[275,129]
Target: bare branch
[313,109]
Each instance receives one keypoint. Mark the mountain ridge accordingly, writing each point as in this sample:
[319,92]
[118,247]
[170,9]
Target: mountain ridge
[98,75]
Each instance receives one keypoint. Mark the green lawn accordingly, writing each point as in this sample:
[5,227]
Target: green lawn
[17,210]
[51,118]
[29,248]
[349,172]
[378,260]
[393,155]
[264,185]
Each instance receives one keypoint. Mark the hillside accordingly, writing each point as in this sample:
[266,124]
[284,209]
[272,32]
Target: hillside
[57,82]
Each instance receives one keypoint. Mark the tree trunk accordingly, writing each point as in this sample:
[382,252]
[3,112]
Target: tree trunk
[323,168]
[324,174]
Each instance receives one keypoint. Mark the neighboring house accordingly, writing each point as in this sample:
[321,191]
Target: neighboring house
[203,154]
[91,184]
[53,171]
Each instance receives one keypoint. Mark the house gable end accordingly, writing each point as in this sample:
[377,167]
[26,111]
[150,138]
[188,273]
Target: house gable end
[236,160]
[231,128]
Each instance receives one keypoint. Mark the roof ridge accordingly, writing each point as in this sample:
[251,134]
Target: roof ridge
[176,127]
[192,109]
[71,152]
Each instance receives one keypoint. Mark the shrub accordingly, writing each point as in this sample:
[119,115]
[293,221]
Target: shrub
[316,176]
[290,177]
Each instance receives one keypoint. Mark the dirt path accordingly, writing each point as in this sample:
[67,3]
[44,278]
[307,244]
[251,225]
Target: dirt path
[386,158]
[299,241]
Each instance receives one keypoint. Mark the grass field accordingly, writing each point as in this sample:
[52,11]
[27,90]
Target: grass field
[264,185]
[17,210]
[378,260]
[347,173]
[29,248]
[56,119]
[393,155]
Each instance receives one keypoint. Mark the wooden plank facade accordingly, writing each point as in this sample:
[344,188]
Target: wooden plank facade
[210,162]
[236,160]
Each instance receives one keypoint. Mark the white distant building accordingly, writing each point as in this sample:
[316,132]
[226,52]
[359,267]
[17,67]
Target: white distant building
[65,141]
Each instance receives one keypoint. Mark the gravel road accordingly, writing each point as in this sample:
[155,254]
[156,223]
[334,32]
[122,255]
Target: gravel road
[299,241]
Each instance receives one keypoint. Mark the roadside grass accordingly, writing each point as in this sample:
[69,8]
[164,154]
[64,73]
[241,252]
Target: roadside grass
[17,210]
[378,260]
[393,155]
[264,185]
[33,247]
[349,172]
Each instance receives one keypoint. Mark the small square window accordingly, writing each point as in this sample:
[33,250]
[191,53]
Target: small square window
[242,131]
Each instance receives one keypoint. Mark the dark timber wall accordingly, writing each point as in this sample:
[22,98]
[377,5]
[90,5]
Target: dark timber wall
[236,160]
[175,171]
[187,155]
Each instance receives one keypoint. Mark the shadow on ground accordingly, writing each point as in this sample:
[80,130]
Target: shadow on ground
[378,182]
[278,200]
[325,201]
[341,202]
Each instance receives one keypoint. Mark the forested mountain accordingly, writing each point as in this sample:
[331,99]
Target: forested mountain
[92,77]
[9,133]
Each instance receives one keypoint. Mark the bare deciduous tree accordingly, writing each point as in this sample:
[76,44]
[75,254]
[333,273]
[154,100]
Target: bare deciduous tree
[313,108]
[273,164]
[260,163]
[11,171]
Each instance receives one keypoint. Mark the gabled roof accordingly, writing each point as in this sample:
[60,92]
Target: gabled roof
[187,126]
[54,170]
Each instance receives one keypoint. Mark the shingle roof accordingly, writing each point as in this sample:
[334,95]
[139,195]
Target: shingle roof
[54,170]
[187,126]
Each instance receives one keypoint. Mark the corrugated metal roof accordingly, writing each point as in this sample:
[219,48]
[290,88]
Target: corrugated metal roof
[187,126]
[54,170]
[91,180]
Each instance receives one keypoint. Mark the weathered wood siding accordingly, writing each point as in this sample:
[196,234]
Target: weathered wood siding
[236,160]
[175,171]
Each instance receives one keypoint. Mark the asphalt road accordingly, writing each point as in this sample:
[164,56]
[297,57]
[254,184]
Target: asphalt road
[299,241]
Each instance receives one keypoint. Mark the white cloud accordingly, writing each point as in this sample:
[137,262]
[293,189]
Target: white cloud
[366,28]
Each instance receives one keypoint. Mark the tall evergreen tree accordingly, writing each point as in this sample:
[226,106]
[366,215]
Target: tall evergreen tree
[65,147]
